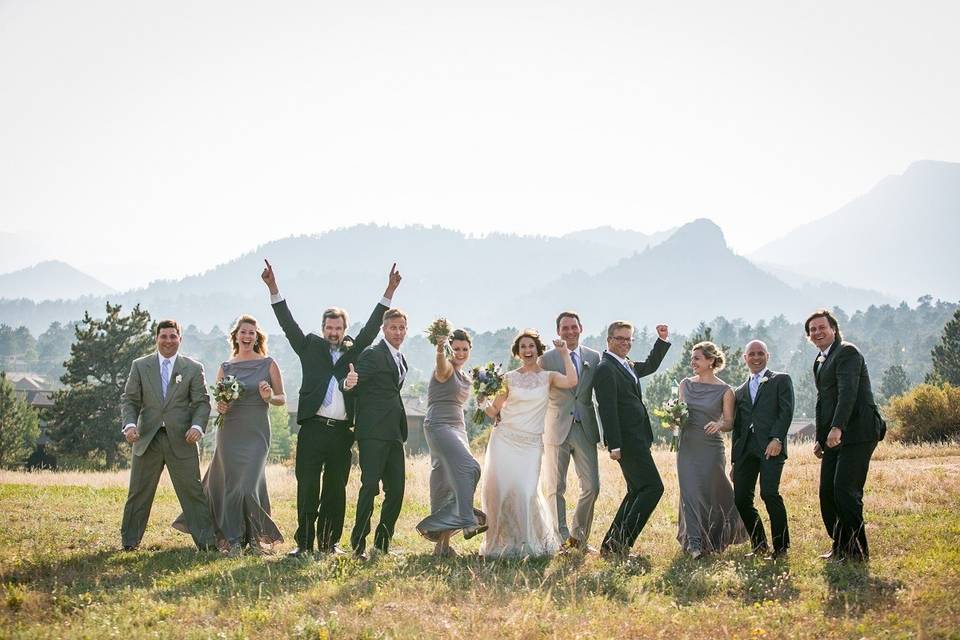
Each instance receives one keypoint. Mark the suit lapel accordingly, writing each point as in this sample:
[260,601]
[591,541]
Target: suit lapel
[391,362]
[634,382]
[153,375]
[829,359]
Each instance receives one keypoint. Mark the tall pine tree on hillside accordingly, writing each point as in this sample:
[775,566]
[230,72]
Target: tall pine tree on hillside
[86,415]
[946,355]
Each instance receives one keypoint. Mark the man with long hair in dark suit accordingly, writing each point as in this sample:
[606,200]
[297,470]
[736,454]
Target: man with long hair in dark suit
[848,429]
[324,414]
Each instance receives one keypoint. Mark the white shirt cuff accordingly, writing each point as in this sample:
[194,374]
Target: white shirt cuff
[385,301]
[197,428]
[617,450]
[276,297]
[128,426]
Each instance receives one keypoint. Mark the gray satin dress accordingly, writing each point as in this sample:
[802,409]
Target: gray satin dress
[709,520]
[454,472]
[235,483]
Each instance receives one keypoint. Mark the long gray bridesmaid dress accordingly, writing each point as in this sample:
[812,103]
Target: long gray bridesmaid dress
[454,472]
[709,520]
[235,483]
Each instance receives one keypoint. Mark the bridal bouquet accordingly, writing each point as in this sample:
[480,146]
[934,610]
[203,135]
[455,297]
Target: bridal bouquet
[488,381]
[440,327]
[672,414]
[226,391]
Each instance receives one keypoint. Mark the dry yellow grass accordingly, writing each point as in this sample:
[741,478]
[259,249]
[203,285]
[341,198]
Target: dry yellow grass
[63,577]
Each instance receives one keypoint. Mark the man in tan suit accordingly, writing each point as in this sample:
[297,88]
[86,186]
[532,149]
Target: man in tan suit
[571,430]
[165,408]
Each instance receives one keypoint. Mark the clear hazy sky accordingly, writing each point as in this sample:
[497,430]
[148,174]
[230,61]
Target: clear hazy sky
[140,139]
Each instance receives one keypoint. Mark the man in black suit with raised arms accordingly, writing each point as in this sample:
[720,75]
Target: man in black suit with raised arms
[627,433]
[324,414]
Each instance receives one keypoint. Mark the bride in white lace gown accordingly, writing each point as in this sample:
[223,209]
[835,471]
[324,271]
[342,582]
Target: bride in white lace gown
[516,509]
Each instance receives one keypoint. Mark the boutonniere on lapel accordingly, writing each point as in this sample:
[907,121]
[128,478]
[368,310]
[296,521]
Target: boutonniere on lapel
[178,379]
[764,379]
[346,344]
[821,358]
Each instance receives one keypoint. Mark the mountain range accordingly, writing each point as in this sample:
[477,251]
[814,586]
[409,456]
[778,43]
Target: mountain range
[890,244]
[483,283]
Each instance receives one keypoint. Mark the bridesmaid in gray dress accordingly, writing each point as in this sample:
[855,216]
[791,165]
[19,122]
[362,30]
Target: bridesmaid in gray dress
[709,520]
[234,483]
[454,471]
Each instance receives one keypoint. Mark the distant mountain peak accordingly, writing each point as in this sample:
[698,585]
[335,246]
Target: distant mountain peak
[50,280]
[702,232]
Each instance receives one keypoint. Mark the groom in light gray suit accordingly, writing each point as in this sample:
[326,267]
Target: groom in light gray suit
[571,430]
[165,407]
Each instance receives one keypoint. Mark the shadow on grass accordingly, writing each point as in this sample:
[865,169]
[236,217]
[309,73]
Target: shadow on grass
[174,575]
[852,591]
[765,580]
[689,580]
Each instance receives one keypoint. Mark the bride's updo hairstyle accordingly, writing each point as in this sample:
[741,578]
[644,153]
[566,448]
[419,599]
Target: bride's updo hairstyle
[460,334]
[259,345]
[527,333]
[711,352]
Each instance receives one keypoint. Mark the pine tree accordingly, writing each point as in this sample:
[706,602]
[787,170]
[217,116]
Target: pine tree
[19,426]
[86,415]
[946,355]
[894,382]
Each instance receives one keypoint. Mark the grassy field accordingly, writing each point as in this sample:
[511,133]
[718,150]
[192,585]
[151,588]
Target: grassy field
[62,576]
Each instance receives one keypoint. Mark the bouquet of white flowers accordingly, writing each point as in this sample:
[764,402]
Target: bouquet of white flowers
[226,391]
[440,328]
[672,414]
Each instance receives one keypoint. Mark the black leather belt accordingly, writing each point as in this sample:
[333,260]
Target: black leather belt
[330,422]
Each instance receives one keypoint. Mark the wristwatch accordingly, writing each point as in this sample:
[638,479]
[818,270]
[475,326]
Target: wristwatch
[777,439]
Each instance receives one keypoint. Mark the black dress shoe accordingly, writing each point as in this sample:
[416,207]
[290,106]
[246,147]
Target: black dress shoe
[131,547]
[298,552]
[475,531]
[361,556]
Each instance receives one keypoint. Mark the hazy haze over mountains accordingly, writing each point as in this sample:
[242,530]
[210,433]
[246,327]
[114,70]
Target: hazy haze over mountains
[50,280]
[482,283]
[893,243]
[899,238]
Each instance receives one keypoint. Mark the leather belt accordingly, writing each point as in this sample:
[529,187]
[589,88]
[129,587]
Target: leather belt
[330,422]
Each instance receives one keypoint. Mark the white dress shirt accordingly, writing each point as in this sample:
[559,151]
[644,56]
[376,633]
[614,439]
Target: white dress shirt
[337,409]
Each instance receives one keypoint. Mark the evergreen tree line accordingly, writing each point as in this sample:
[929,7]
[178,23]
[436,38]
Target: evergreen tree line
[903,346]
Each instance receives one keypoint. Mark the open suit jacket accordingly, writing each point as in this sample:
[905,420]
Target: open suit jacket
[187,402]
[316,362]
[623,415]
[560,410]
[845,398]
[769,415]
[380,413]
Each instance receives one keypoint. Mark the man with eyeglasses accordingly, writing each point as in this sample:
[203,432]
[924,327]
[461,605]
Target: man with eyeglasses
[627,433]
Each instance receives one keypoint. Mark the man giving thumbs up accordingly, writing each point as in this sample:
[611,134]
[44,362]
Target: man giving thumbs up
[325,416]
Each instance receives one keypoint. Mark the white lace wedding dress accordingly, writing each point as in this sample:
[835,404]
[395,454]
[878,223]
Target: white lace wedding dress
[516,509]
